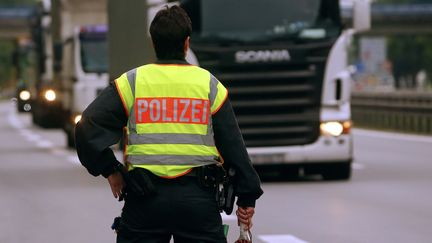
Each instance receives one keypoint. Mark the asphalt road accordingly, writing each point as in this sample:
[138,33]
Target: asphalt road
[47,197]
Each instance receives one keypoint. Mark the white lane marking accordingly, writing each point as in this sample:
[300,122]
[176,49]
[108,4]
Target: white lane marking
[14,121]
[280,239]
[393,135]
[44,144]
[59,152]
[231,217]
[73,159]
[35,138]
[357,166]
[31,137]
[23,131]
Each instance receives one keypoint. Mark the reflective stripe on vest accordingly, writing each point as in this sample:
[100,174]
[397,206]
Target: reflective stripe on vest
[170,108]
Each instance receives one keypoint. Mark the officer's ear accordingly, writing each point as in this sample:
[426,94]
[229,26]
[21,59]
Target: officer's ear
[186,45]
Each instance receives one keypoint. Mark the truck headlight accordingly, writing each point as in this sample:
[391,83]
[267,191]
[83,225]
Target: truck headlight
[50,95]
[335,128]
[24,95]
[77,118]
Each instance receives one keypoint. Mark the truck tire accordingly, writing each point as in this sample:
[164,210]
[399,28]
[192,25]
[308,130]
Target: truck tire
[35,116]
[44,118]
[38,118]
[337,171]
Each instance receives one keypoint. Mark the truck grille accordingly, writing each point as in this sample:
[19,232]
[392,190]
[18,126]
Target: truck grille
[276,107]
[276,104]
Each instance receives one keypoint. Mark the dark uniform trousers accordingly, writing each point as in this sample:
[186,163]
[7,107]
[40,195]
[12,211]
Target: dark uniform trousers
[181,208]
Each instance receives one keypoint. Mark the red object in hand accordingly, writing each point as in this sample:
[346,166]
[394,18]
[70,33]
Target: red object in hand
[245,235]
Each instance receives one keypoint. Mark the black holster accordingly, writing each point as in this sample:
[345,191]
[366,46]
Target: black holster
[229,192]
[216,177]
[210,176]
[139,183]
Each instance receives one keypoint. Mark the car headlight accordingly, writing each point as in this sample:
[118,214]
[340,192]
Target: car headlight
[50,95]
[24,95]
[77,119]
[335,128]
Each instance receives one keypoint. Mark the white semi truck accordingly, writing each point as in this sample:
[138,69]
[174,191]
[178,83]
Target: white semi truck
[75,55]
[85,65]
[285,64]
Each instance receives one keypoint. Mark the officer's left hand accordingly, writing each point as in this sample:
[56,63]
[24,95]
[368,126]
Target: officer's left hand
[117,183]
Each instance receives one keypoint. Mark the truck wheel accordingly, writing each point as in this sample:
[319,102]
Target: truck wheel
[39,119]
[337,171]
[35,118]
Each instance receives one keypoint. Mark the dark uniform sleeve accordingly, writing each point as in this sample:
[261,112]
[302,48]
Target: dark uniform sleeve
[230,144]
[101,126]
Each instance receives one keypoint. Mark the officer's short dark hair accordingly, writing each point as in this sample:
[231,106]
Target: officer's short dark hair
[169,30]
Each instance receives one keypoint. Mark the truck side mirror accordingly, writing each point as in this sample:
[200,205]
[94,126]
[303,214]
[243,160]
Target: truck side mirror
[361,15]
[58,56]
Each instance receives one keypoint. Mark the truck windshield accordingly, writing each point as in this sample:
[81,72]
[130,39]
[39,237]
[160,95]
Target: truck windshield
[94,55]
[249,20]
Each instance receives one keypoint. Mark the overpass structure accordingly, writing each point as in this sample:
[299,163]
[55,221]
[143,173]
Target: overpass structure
[16,22]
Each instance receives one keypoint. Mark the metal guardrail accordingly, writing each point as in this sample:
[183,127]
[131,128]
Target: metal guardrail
[403,111]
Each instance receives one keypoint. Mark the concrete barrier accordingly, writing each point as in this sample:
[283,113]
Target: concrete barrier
[404,111]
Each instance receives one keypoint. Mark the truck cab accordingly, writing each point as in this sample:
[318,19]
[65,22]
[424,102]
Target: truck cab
[70,39]
[85,65]
[284,63]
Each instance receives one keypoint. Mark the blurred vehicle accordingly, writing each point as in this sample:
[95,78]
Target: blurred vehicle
[15,31]
[85,66]
[72,48]
[23,97]
[46,108]
[24,73]
[284,63]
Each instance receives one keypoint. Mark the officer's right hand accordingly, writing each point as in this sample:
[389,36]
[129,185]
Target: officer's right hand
[117,183]
[244,216]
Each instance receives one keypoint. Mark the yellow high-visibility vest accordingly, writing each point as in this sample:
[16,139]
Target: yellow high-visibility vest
[169,110]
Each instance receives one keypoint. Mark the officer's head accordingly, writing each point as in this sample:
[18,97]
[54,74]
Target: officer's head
[170,31]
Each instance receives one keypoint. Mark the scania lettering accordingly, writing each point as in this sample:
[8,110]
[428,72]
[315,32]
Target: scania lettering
[284,63]
[262,56]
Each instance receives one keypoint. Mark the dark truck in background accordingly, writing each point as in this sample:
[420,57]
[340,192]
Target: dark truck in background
[284,63]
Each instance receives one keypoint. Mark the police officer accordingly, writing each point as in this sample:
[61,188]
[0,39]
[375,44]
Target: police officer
[178,121]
